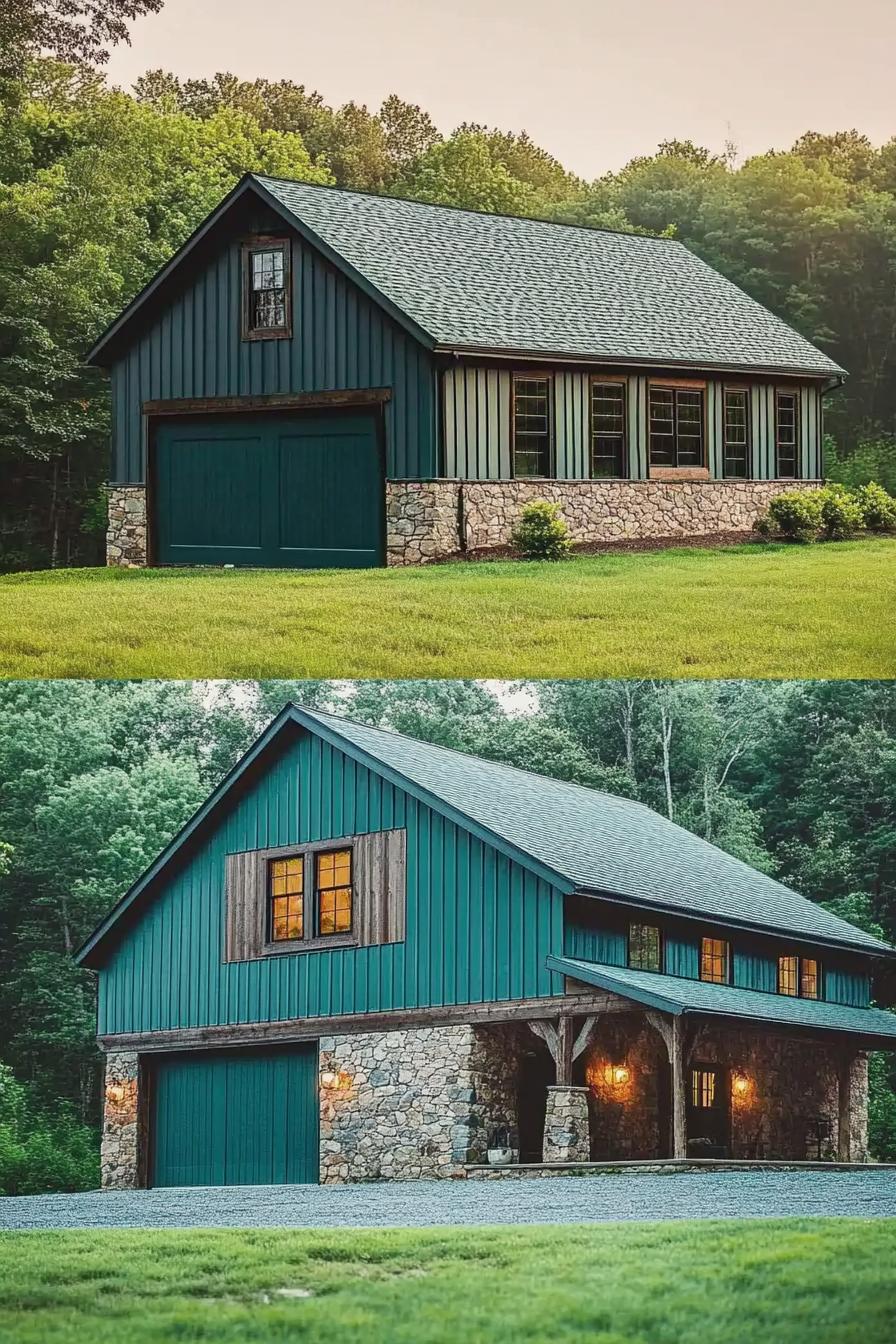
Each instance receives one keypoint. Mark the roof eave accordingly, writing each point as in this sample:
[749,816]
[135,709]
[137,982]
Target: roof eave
[874,949]
[835,375]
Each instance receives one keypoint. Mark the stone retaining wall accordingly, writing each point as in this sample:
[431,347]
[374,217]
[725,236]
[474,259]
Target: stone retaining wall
[126,533]
[121,1144]
[428,520]
[415,1103]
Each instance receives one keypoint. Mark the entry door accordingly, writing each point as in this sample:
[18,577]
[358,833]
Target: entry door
[300,491]
[708,1112]
[235,1118]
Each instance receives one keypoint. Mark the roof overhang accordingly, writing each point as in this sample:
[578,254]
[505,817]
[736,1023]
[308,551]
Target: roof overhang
[694,998]
[830,377]
[102,353]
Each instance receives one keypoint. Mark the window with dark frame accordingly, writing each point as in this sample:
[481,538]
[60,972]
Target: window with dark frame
[714,960]
[799,977]
[266,289]
[644,947]
[703,1089]
[787,434]
[531,426]
[333,891]
[736,452]
[286,885]
[608,439]
[676,426]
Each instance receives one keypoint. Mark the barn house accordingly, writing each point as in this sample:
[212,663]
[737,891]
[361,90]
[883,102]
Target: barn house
[368,957]
[325,378]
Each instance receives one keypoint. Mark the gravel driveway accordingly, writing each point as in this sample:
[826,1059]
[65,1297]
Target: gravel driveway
[580,1199]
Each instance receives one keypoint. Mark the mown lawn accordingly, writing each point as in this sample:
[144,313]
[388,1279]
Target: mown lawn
[745,611]
[808,1282]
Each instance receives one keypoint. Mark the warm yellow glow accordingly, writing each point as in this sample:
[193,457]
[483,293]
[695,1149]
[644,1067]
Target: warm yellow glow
[617,1075]
[329,1079]
[115,1094]
[740,1085]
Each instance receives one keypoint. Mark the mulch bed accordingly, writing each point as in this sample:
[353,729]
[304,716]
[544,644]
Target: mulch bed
[707,541]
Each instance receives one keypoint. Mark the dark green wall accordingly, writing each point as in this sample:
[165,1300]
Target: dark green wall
[479,927]
[190,346]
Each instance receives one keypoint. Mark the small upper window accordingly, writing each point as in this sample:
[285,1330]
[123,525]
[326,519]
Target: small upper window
[714,960]
[737,432]
[787,433]
[334,892]
[608,429]
[644,947]
[266,305]
[798,976]
[676,427]
[287,899]
[531,427]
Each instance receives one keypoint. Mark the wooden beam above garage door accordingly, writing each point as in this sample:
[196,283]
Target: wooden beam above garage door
[285,401]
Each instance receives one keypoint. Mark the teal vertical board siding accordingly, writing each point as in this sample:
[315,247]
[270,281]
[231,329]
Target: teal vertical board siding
[341,340]
[607,946]
[753,971]
[479,926]
[235,1119]
[681,957]
[849,987]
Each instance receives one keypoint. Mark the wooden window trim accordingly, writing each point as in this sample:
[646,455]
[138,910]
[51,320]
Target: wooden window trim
[598,380]
[748,427]
[262,243]
[695,471]
[796,394]
[312,941]
[533,375]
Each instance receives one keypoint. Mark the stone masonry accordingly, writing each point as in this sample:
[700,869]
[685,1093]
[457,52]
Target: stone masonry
[126,534]
[413,1103]
[120,1149]
[567,1135]
[427,520]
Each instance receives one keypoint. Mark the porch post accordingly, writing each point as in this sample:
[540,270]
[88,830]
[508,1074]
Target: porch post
[567,1129]
[672,1032]
[852,1097]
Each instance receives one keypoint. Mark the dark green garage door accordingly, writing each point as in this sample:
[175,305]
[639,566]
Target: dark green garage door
[302,491]
[227,1118]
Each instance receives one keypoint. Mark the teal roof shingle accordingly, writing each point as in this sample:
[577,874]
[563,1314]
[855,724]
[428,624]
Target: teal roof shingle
[600,842]
[670,994]
[476,281]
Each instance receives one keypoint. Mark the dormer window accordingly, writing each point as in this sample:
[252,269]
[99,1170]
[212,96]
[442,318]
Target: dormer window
[266,289]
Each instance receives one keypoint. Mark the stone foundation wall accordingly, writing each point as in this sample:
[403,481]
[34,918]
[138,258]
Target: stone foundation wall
[415,1103]
[432,519]
[126,533]
[121,1145]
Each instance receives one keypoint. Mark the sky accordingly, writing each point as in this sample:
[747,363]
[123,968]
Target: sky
[595,83]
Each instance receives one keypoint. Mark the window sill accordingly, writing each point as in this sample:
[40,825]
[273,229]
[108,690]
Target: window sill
[320,944]
[679,473]
[276,334]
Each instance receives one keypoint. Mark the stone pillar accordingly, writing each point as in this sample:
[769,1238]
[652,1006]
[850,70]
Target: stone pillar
[126,544]
[852,1128]
[567,1130]
[120,1150]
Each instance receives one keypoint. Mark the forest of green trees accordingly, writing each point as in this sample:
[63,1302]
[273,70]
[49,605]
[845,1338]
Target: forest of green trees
[99,186]
[798,779]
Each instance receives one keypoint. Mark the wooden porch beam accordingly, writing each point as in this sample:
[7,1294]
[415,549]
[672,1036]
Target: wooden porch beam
[674,1036]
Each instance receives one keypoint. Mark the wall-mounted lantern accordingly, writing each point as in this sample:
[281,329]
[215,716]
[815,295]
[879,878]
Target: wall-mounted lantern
[740,1086]
[617,1075]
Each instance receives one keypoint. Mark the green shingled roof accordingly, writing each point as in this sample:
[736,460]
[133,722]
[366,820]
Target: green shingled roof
[670,994]
[599,842]
[475,281]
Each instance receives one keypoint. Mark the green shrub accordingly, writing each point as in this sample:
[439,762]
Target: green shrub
[40,1152]
[877,506]
[841,514]
[541,533]
[871,460]
[794,515]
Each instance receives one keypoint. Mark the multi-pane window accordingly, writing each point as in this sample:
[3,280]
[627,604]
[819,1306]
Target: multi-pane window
[788,975]
[287,899]
[266,289]
[608,429]
[787,433]
[798,976]
[333,888]
[737,431]
[644,947]
[703,1089]
[676,427]
[531,427]
[714,960]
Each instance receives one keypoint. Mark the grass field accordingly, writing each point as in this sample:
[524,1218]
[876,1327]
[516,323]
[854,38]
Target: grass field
[744,611]
[811,1282]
